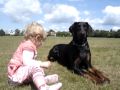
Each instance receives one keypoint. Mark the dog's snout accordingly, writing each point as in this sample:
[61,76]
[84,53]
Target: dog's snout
[82,32]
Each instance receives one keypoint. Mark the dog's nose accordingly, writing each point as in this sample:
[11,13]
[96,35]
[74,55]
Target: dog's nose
[82,32]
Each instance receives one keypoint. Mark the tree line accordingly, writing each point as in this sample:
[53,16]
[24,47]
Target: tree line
[95,33]
[104,33]
[17,32]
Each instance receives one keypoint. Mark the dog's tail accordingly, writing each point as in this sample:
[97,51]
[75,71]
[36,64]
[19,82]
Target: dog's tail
[95,76]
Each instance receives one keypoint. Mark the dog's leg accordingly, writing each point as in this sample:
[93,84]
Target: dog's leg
[95,73]
[87,74]
[79,71]
[99,74]
[92,77]
[76,67]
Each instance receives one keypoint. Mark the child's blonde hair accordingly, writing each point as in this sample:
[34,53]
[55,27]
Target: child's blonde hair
[34,29]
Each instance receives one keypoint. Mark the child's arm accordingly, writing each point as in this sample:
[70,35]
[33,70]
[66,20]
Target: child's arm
[28,60]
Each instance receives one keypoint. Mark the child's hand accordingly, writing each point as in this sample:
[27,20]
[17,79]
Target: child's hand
[46,64]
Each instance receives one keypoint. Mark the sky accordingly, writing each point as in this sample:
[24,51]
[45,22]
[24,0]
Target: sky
[59,14]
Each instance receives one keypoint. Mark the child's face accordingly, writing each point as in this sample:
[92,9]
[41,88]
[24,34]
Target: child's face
[38,44]
[38,41]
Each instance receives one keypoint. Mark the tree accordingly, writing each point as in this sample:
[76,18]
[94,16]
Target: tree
[63,34]
[17,32]
[118,34]
[111,34]
[22,32]
[2,33]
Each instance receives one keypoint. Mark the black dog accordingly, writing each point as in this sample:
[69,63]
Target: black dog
[76,55]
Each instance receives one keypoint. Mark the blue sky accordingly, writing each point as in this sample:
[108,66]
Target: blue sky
[59,14]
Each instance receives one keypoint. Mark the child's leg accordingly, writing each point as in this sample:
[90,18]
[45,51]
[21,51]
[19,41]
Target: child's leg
[28,73]
[51,79]
[56,86]
[21,75]
[40,81]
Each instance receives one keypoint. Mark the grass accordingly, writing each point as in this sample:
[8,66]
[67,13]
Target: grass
[105,57]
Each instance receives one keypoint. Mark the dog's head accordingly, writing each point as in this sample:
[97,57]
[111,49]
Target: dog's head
[80,30]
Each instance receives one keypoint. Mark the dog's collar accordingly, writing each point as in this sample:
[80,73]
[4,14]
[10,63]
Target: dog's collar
[78,45]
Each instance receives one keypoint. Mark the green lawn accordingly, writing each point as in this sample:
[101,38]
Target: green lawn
[105,57]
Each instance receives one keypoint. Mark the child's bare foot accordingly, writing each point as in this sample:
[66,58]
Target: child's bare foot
[46,64]
[50,79]
[56,86]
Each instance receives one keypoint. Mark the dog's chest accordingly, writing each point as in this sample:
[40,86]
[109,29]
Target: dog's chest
[83,52]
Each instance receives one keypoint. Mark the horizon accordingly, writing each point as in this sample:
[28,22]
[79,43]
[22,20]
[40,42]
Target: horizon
[59,15]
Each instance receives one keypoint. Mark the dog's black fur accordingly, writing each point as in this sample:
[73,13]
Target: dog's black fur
[76,55]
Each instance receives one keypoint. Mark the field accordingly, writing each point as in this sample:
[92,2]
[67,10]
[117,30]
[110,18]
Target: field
[105,57]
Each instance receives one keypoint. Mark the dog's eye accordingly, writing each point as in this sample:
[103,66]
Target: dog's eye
[84,25]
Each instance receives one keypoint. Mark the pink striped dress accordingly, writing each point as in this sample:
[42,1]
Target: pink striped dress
[17,71]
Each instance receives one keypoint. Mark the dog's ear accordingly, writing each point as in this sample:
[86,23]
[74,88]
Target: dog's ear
[90,29]
[72,27]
